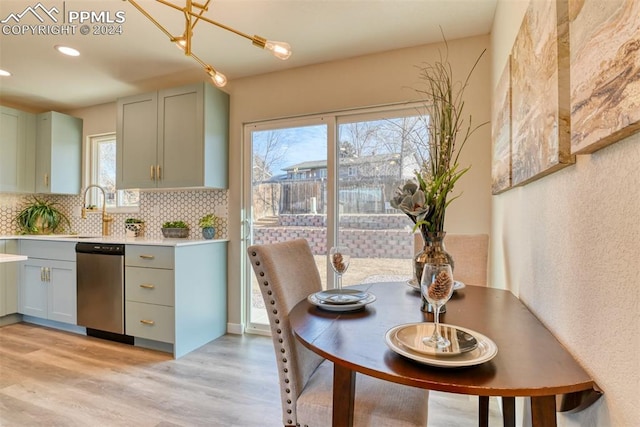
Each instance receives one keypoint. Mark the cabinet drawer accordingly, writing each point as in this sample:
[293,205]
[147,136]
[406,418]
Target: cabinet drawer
[151,285]
[150,321]
[149,256]
[63,251]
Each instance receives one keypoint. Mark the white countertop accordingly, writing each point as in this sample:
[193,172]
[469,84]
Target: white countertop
[114,239]
[11,258]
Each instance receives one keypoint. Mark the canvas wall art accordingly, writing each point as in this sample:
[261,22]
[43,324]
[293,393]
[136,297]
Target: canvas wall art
[540,92]
[501,133]
[605,72]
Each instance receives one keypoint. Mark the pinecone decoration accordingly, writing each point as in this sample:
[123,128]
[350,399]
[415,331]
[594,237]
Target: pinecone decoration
[441,287]
[338,262]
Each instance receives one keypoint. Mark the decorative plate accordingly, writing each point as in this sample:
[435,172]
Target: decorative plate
[484,352]
[358,305]
[413,283]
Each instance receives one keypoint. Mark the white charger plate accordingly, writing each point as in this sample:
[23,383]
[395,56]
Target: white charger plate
[413,336]
[413,283]
[358,305]
[341,296]
[484,352]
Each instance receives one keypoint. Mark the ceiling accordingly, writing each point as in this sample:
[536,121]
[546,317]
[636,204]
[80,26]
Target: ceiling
[142,58]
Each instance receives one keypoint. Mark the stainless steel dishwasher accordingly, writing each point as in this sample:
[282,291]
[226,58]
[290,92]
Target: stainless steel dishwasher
[100,289]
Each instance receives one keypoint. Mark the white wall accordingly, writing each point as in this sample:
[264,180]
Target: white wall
[569,246]
[361,82]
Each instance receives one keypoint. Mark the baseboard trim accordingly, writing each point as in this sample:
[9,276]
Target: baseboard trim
[235,328]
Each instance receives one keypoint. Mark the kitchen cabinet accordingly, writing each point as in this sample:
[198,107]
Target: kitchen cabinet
[173,138]
[48,281]
[17,150]
[8,282]
[58,153]
[175,295]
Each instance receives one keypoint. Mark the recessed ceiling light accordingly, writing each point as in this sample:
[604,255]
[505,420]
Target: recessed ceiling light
[4,73]
[67,50]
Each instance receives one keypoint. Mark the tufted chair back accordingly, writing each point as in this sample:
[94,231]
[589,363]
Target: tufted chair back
[287,273]
[470,254]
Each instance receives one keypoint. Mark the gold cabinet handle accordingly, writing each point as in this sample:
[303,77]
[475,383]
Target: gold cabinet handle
[42,274]
[159,172]
[46,179]
[147,257]
[152,173]
[48,272]
[147,286]
[147,322]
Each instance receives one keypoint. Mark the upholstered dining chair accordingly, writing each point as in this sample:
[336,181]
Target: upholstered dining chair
[470,254]
[286,274]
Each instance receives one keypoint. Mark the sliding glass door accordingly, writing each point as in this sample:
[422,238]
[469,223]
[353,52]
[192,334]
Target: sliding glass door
[329,179]
[287,195]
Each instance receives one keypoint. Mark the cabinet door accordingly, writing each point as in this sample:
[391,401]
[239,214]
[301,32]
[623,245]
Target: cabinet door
[136,141]
[181,136]
[58,153]
[62,292]
[17,150]
[33,299]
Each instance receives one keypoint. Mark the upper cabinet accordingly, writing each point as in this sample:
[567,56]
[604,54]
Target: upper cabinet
[174,138]
[17,150]
[58,153]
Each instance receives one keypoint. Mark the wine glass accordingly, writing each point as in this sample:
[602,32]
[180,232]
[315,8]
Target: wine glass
[339,256]
[437,288]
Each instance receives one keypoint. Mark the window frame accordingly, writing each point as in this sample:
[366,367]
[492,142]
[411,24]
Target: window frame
[93,196]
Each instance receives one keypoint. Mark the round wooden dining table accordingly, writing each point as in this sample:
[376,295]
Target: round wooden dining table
[530,361]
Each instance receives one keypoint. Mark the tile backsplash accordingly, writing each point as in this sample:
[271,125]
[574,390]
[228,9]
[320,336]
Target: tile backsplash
[156,207]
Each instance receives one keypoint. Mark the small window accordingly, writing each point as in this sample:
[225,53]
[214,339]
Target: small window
[102,172]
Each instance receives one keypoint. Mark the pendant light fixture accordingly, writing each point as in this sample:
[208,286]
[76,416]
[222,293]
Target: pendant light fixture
[193,13]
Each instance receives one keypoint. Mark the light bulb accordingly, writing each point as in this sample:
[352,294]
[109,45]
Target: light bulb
[280,50]
[217,78]
[181,43]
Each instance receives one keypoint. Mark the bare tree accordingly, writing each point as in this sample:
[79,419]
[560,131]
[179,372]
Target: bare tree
[362,136]
[268,150]
[404,137]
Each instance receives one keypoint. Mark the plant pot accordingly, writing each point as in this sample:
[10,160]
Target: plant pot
[173,233]
[208,232]
[134,229]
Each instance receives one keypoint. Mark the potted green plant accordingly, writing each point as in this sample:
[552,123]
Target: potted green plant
[208,223]
[171,229]
[133,227]
[40,216]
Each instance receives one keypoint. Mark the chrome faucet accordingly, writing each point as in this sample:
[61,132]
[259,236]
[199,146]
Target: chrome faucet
[106,219]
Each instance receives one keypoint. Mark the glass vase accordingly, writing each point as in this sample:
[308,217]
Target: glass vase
[433,252]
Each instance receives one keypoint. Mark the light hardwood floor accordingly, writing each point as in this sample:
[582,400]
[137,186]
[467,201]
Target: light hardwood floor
[54,378]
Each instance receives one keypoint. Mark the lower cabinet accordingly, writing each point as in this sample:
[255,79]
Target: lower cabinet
[176,294]
[8,283]
[48,285]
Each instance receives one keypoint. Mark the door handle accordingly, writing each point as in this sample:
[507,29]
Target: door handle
[159,172]
[147,257]
[48,274]
[147,286]
[152,173]
[42,274]
[147,322]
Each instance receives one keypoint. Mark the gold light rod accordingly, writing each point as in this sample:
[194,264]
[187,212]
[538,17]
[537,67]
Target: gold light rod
[278,49]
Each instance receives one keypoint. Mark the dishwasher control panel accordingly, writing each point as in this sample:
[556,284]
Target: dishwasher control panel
[100,248]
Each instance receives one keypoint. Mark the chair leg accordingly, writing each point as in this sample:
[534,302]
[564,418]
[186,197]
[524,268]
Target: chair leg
[509,411]
[483,411]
